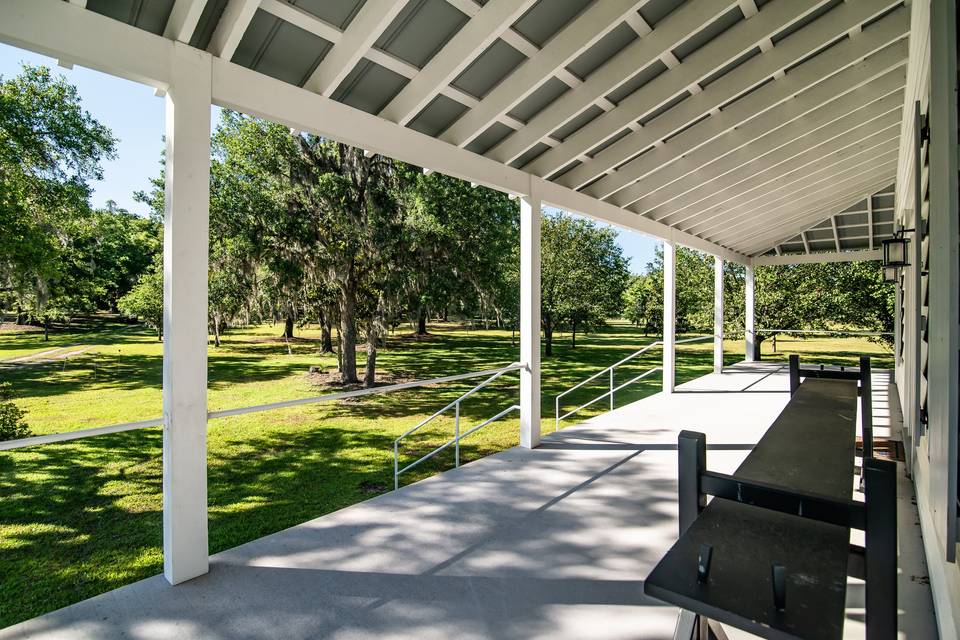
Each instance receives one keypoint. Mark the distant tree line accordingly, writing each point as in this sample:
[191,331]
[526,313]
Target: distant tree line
[825,296]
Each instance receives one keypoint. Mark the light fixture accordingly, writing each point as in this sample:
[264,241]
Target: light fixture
[895,251]
[889,274]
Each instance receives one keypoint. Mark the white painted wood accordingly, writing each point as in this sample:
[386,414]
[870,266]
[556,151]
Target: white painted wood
[672,30]
[836,234]
[717,314]
[59,29]
[183,19]
[365,28]
[944,279]
[749,329]
[722,50]
[185,240]
[792,196]
[80,3]
[816,208]
[711,139]
[669,316]
[583,32]
[530,205]
[806,243]
[490,22]
[231,27]
[861,255]
[842,139]
[870,219]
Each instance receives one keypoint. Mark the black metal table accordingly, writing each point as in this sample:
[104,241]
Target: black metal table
[806,456]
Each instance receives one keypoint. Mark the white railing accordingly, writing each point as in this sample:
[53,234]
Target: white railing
[213,415]
[457,435]
[613,389]
[824,332]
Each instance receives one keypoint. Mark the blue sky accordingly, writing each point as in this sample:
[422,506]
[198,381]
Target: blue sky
[136,117]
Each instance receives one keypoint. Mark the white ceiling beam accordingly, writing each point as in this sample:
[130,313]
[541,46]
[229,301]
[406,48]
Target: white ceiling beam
[817,212]
[713,56]
[836,234]
[671,31]
[750,234]
[236,87]
[870,219]
[836,142]
[183,20]
[60,30]
[734,83]
[582,33]
[772,207]
[473,39]
[233,24]
[765,134]
[310,23]
[816,81]
[817,258]
[767,190]
[366,27]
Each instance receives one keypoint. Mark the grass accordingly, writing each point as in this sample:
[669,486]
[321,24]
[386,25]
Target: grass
[83,517]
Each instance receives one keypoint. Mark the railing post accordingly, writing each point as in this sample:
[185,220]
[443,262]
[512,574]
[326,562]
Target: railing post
[396,467]
[456,434]
[556,413]
[611,388]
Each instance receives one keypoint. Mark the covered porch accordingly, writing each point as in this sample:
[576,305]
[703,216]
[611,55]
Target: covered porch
[751,130]
[552,542]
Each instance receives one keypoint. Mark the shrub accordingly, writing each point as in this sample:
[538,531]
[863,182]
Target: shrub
[12,426]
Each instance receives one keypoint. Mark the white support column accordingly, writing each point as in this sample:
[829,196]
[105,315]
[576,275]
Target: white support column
[669,315]
[717,314]
[530,319]
[185,552]
[749,333]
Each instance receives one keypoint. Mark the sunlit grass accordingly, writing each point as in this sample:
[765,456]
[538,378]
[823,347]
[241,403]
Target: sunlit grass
[83,517]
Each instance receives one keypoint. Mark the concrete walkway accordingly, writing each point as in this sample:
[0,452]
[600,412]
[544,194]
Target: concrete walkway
[548,543]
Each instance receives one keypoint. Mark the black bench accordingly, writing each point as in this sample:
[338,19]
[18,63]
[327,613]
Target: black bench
[770,554]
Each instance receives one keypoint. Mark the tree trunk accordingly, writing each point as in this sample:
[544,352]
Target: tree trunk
[288,326]
[216,331]
[46,329]
[548,335]
[370,374]
[422,321]
[348,333]
[326,339]
[573,336]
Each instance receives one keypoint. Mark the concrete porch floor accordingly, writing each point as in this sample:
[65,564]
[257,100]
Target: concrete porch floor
[548,543]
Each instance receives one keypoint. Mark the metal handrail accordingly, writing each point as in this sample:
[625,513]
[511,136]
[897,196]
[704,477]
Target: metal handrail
[455,404]
[611,370]
[213,415]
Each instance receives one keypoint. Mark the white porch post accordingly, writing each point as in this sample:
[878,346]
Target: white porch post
[749,328]
[669,315]
[530,319]
[185,552]
[717,314]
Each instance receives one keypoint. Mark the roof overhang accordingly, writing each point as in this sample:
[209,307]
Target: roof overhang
[724,125]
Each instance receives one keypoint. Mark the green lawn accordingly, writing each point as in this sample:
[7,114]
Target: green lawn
[80,518]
